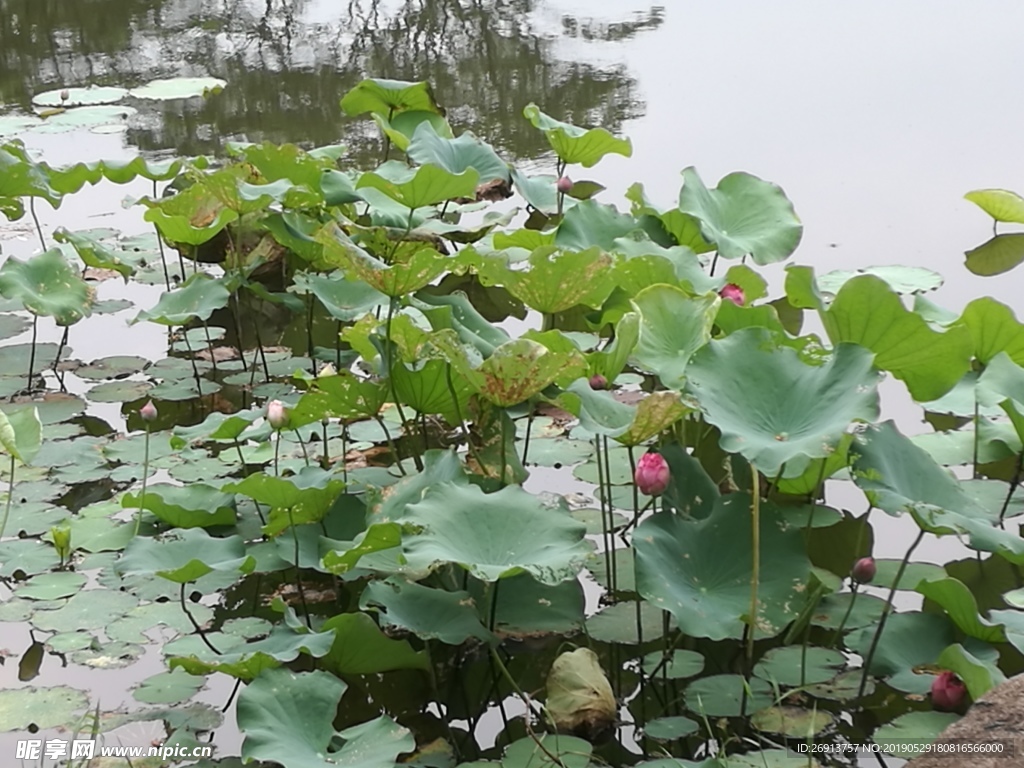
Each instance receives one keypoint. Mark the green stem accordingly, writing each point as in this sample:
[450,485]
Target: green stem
[298,570]
[390,347]
[10,495]
[755,552]
[1013,487]
[846,616]
[145,477]
[391,444]
[195,624]
[885,614]
[39,229]
[302,445]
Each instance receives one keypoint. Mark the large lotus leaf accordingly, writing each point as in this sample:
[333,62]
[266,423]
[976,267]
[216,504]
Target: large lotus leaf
[456,155]
[909,641]
[412,268]
[402,127]
[557,279]
[184,555]
[389,97]
[727,696]
[676,226]
[198,298]
[994,328]
[579,694]
[898,476]
[345,300]
[902,280]
[428,388]
[21,434]
[22,709]
[195,505]
[286,161]
[178,88]
[979,674]
[457,312]
[67,98]
[913,732]
[73,177]
[342,395]
[288,718]
[360,648]
[961,606]
[773,408]
[869,313]
[590,224]
[997,255]
[673,326]
[451,617]
[417,187]
[193,216]
[1002,382]
[47,285]
[89,609]
[302,499]
[611,360]
[1000,204]
[495,535]
[700,571]
[743,216]
[575,145]
[21,176]
[93,253]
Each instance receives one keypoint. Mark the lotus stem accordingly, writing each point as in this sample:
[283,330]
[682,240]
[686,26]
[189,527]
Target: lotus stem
[145,477]
[607,520]
[192,360]
[1014,483]
[302,445]
[391,380]
[885,613]
[32,352]
[10,495]
[298,570]
[846,616]
[195,624]
[391,443]
[529,428]
[277,452]
[756,558]
[160,244]
[606,493]
[39,229]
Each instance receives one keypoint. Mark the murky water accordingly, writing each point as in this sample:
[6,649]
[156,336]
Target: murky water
[875,117]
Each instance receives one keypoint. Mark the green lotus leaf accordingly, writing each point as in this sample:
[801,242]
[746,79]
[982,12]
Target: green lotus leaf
[360,648]
[47,285]
[401,128]
[539,192]
[1000,204]
[611,360]
[700,571]
[795,665]
[914,728]
[670,728]
[378,537]
[51,586]
[673,326]
[304,498]
[902,280]
[22,709]
[771,407]
[412,268]
[575,145]
[178,88]
[457,312]
[727,695]
[341,395]
[743,216]
[21,433]
[994,328]
[191,506]
[93,253]
[428,388]
[184,555]
[672,226]
[996,256]
[389,504]
[557,279]
[389,97]
[960,605]
[494,536]
[654,413]
[344,299]
[680,665]
[286,161]
[90,609]
[1002,383]
[79,97]
[169,687]
[421,186]
[869,313]
[980,675]
[910,641]
[795,722]
[456,155]
[451,617]
[21,176]
[198,298]
[193,216]
[72,178]
[591,224]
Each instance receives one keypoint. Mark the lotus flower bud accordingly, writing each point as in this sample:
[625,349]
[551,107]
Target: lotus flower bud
[564,185]
[277,414]
[733,293]
[64,95]
[652,474]
[597,381]
[61,539]
[148,412]
[864,570]
[948,692]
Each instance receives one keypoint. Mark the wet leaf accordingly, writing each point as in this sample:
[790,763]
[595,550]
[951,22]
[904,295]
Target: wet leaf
[46,285]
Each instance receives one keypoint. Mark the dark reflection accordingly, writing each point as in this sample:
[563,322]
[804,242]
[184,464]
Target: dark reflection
[287,72]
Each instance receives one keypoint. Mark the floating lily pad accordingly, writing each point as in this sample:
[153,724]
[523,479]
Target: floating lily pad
[169,687]
[87,610]
[843,687]
[723,695]
[680,665]
[795,665]
[795,722]
[670,728]
[114,367]
[12,325]
[178,88]
[51,586]
[79,97]
[903,280]
[85,117]
[920,728]
[118,391]
[40,708]
[115,655]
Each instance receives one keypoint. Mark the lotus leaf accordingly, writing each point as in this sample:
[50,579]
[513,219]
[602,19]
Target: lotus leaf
[178,88]
[996,256]
[1000,204]
[47,285]
[575,145]
[579,696]
[389,97]
[185,556]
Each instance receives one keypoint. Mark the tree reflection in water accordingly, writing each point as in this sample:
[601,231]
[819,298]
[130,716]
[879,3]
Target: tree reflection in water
[288,62]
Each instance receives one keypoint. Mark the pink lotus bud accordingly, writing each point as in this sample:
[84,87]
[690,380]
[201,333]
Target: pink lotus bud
[277,414]
[864,570]
[148,412]
[597,381]
[64,95]
[652,474]
[564,185]
[733,293]
[948,692]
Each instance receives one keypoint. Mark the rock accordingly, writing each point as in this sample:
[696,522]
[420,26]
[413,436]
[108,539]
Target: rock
[996,716]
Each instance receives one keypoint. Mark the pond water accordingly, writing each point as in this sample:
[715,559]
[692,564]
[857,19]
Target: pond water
[874,117]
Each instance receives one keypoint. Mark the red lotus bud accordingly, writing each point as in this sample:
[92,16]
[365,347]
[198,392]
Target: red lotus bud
[652,474]
[864,570]
[64,95]
[148,412]
[948,692]
[277,414]
[597,381]
[733,293]
[564,185]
